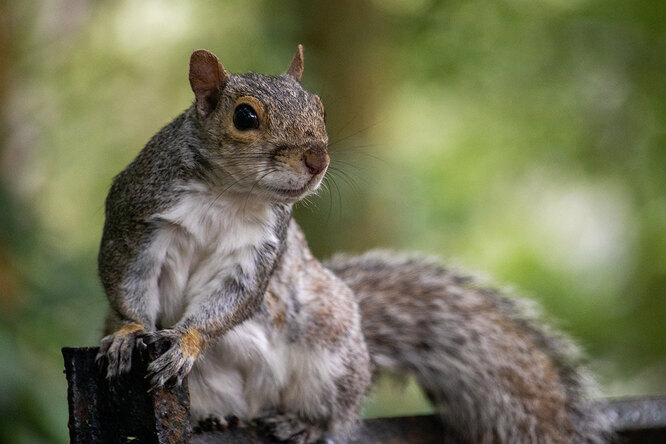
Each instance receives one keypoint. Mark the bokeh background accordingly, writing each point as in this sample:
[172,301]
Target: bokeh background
[523,139]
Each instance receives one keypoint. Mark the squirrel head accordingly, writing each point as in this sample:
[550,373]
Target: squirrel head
[267,132]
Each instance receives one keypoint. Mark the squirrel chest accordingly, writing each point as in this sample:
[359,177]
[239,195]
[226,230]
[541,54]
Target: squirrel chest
[256,366]
[205,239]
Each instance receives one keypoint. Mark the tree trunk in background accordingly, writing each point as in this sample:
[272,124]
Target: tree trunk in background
[7,278]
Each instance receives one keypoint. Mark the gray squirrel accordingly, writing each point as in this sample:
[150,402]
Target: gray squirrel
[199,250]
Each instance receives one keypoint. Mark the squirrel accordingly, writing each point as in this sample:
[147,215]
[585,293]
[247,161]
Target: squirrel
[199,250]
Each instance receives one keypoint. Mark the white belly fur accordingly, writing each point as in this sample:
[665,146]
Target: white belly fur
[205,239]
[253,370]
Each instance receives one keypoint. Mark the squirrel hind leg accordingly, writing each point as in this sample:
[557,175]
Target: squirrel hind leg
[291,428]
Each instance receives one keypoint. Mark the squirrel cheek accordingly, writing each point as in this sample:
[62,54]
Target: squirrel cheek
[293,162]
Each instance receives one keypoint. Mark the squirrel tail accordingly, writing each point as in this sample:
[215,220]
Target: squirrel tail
[493,371]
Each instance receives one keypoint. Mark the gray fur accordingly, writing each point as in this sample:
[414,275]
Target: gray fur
[486,361]
[199,249]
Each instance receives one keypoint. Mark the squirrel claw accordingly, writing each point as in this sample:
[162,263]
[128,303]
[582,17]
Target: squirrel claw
[151,337]
[173,364]
[116,351]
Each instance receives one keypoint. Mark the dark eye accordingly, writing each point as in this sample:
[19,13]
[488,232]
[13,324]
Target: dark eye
[245,117]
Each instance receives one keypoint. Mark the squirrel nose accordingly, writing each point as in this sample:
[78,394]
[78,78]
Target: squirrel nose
[315,160]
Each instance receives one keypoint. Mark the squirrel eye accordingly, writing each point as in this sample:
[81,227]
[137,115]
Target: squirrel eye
[245,117]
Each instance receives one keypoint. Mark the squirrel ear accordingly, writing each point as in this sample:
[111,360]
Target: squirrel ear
[296,68]
[207,78]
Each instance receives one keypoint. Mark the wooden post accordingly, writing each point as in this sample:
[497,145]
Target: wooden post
[126,412]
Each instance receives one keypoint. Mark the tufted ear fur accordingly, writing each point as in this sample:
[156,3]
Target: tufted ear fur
[207,78]
[296,68]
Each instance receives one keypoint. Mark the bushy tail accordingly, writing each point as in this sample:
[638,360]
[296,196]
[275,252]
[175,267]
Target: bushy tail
[493,371]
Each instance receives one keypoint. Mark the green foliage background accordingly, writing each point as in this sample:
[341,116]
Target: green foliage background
[525,139]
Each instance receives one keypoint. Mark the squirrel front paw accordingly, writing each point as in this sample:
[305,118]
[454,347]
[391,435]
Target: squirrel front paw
[118,347]
[177,361]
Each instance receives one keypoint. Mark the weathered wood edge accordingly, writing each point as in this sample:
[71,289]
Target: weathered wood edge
[128,411]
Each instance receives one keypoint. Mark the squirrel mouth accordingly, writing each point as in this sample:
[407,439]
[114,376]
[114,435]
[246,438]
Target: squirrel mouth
[295,193]
[290,192]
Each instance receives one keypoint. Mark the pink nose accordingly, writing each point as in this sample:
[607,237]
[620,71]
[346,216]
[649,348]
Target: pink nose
[315,161]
